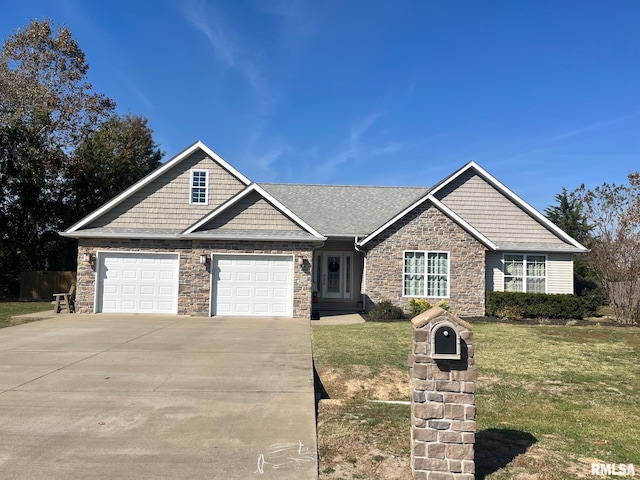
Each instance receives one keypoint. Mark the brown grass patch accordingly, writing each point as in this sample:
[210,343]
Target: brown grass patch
[358,381]
[352,445]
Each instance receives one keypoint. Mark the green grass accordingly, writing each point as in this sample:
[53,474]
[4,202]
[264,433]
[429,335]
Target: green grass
[374,345]
[8,309]
[550,399]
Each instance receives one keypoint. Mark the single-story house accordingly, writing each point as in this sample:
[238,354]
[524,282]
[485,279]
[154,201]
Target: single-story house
[197,237]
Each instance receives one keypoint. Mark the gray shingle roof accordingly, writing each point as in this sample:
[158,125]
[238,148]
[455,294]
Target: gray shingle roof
[339,210]
[537,247]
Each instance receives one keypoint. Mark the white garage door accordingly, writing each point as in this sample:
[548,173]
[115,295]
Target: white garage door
[259,285]
[137,283]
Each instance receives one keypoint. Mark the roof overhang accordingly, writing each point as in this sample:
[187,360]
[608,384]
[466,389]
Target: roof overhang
[219,235]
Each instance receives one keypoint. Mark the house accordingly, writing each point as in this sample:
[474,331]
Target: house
[197,237]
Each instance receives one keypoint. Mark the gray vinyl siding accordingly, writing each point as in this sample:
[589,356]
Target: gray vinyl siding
[493,272]
[165,201]
[491,213]
[251,213]
[559,272]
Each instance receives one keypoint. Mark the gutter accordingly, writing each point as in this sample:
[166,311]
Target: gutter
[180,236]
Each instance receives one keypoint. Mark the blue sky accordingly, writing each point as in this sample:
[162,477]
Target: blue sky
[542,94]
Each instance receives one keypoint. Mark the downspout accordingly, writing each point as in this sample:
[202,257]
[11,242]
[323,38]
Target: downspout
[313,263]
[363,283]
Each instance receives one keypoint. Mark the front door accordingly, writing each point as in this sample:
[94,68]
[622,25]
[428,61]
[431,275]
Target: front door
[336,275]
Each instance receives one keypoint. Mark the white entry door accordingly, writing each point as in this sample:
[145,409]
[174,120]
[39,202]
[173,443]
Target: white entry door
[258,285]
[134,282]
[336,274]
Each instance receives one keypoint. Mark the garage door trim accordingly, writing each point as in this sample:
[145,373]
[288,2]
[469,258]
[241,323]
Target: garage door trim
[213,290]
[100,256]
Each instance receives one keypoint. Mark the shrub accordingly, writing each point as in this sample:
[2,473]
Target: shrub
[419,305]
[536,305]
[385,311]
[509,313]
[443,304]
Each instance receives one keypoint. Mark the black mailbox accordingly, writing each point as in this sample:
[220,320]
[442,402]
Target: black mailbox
[445,342]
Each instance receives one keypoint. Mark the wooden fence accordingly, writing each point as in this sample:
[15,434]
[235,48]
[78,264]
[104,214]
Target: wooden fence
[42,285]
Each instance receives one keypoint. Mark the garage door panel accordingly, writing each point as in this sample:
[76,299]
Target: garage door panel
[135,282]
[235,291]
[130,290]
[280,293]
[148,275]
[243,276]
[280,277]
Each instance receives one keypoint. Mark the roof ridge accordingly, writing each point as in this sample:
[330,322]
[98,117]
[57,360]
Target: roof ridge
[341,185]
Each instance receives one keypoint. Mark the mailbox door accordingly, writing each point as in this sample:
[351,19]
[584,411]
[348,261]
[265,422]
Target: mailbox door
[445,341]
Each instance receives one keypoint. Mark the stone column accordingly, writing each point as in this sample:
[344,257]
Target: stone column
[443,411]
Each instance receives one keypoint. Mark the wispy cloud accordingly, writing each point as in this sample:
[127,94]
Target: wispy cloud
[548,148]
[233,53]
[298,19]
[227,46]
[594,127]
[356,147]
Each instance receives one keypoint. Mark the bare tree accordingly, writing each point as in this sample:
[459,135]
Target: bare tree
[614,212]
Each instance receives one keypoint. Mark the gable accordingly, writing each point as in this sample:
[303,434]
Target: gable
[489,211]
[252,212]
[164,202]
[425,227]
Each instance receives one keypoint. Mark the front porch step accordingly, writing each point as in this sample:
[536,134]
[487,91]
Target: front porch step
[336,308]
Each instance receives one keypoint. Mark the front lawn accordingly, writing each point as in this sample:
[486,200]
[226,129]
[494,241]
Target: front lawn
[8,309]
[551,400]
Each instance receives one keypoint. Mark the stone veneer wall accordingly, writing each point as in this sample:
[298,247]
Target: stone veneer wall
[194,280]
[427,228]
[443,410]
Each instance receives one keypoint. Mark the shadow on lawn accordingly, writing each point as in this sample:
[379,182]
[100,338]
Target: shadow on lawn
[497,447]
[321,392]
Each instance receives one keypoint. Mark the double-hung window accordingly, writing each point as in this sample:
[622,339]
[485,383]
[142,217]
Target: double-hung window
[199,184]
[426,274]
[525,273]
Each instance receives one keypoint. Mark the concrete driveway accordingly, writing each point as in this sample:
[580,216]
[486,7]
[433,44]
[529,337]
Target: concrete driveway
[146,397]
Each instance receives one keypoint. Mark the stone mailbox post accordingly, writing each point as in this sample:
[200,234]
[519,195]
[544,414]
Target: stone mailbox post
[443,408]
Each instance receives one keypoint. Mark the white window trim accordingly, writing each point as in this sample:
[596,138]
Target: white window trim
[206,186]
[426,275]
[524,270]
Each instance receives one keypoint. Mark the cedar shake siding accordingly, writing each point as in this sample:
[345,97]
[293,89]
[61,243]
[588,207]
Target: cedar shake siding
[251,213]
[194,290]
[165,201]
[427,229]
[491,213]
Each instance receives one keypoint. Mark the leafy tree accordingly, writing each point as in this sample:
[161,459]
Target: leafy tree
[47,109]
[569,216]
[116,155]
[614,212]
